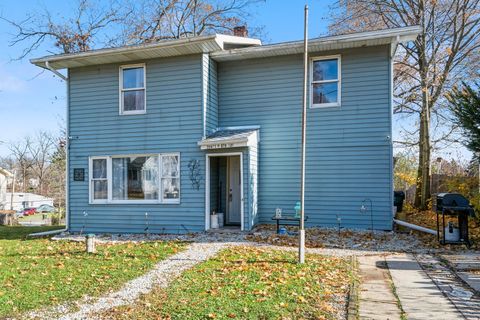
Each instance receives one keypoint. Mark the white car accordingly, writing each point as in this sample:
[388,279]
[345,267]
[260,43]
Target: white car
[45,208]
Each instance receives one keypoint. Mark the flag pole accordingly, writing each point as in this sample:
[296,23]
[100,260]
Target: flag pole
[301,249]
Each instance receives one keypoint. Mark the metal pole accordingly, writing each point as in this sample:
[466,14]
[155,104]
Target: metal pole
[301,249]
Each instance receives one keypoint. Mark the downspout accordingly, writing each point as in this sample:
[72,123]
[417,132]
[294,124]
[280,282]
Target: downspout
[393,50]
[67,147]
[414,227]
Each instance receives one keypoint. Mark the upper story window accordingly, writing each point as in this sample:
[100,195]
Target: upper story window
[132,89]
[325,78]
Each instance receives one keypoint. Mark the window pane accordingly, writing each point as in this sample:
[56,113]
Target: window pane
[325,92]
[133,78]
[170,166]
[99,168]
[135,178]
[100,188]
[325,70]
[171,188]
[133,100]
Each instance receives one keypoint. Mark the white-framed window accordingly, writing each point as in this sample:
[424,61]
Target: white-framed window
[152,178]
[98,179]
[132,86]
[325,81]
[170,178]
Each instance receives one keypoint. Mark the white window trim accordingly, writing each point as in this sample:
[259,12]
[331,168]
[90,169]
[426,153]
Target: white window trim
[160,159]
[121,89]
[338,80]
[110,199]
[90,180]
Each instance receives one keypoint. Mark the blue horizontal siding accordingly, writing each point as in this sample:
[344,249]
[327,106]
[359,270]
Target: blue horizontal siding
[348,153]
[172,123]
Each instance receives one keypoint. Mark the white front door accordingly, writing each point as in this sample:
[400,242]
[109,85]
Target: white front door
[233,193]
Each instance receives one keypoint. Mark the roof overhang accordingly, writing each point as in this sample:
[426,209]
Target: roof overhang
[225,48]
[354,40]
[168,48]
[233,137]
[5,172]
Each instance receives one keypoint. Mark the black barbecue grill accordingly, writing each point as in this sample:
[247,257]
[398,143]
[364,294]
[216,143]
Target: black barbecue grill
[453,204]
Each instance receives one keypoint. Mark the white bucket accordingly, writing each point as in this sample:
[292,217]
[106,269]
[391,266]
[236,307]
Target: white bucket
[452,233]
[214,221]
[220,219]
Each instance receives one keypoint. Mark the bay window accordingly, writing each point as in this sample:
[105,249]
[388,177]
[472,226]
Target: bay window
[135,179]
[325,77]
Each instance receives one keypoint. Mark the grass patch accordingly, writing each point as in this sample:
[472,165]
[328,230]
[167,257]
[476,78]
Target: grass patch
[21,233]
[249,283]
[35,273]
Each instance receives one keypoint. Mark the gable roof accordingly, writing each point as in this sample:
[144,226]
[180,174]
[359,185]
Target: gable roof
[224,48]
[230,137]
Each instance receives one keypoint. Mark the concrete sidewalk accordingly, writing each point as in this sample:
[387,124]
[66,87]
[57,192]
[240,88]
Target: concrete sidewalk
[376,299]
[419,296]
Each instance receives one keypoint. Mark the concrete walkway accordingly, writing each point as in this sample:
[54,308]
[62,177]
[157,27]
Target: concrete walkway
[376,299]
[419,296]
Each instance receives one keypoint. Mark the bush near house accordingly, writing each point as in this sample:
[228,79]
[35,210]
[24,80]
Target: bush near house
[36,273]
[250,283]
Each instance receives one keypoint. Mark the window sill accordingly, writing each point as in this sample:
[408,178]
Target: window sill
[129,113]
[325,105]
[134,202]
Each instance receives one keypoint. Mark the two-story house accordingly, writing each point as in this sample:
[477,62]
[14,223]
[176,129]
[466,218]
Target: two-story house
[161,135]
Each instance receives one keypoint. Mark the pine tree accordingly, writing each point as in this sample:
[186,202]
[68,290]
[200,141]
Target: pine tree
[465,106]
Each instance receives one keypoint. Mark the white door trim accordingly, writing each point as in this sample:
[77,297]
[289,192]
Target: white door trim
[207,186]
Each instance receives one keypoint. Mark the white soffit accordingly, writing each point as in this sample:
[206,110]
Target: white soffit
[354,40]
[216,45]
[169,48]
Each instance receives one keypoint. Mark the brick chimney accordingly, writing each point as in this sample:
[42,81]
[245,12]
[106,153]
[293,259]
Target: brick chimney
[240,31]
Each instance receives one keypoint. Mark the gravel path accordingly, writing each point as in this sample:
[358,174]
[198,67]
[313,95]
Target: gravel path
[462,296]
[203,247]
[161,275]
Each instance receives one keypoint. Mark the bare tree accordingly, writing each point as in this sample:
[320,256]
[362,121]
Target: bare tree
[156,20]
[41,149]
[78,33]
[127,22]
[445,51]
[22,161]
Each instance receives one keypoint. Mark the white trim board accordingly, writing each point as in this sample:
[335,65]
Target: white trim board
[207,187]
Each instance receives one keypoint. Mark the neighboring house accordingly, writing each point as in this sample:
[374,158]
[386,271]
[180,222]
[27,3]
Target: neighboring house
[5,175]
[22,200]
[163,134]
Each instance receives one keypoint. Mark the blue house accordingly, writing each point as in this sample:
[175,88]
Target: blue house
[162,135]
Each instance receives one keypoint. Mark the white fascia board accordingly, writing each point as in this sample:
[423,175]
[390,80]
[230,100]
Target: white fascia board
[404,34]
[201,44]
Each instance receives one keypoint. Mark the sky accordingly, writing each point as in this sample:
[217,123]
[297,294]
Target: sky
[34,100]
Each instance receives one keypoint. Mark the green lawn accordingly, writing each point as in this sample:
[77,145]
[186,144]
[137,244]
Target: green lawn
[248,283]
[36,217]
[39,272]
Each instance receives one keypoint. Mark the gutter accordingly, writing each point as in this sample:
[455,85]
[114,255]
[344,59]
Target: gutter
[67,148]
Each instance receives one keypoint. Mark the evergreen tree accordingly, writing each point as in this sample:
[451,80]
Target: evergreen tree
[465,105]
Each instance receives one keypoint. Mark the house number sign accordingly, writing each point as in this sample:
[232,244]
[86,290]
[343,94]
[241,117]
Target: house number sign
[220,146]
[78,174]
